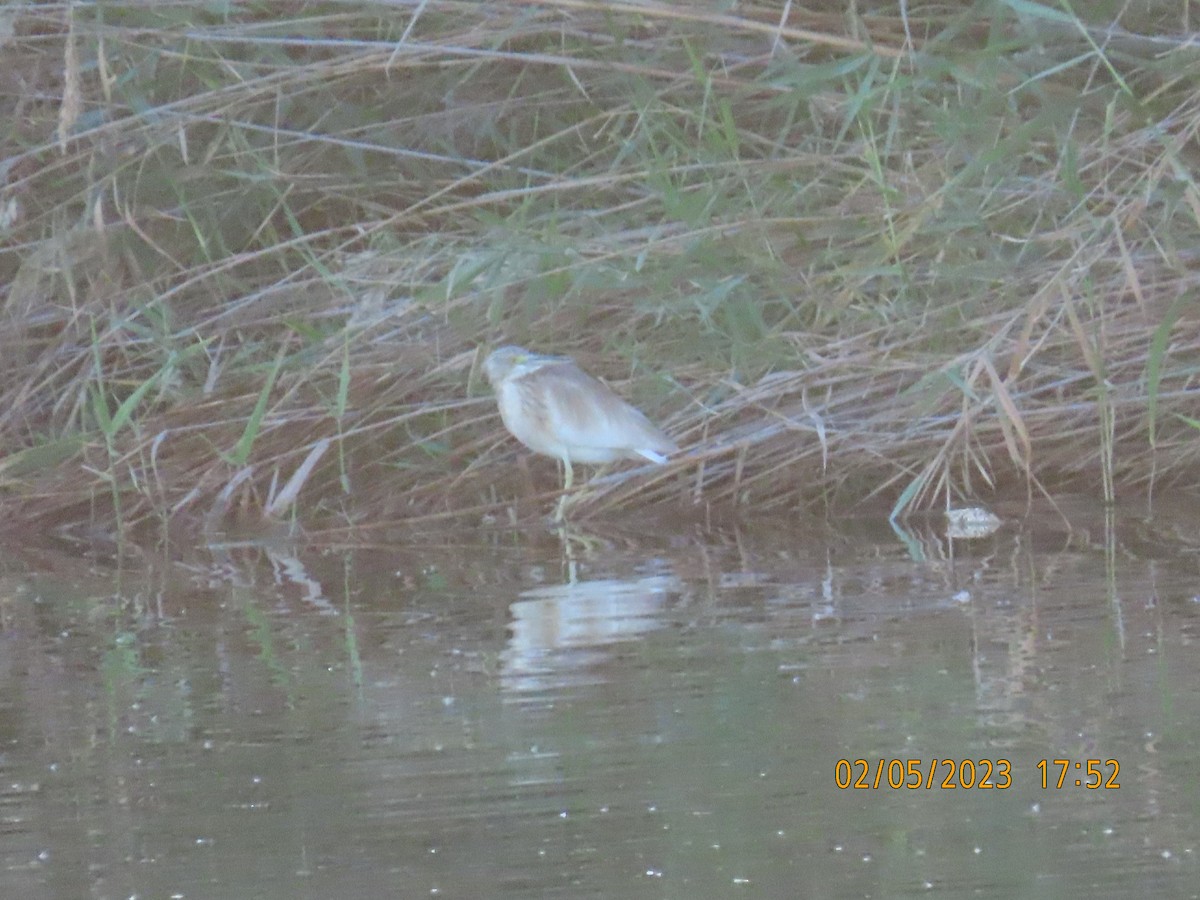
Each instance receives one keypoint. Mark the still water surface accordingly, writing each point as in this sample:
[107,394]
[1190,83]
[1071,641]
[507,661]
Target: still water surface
[630,716]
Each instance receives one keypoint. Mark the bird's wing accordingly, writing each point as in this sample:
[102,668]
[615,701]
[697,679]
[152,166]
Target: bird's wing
[587,413]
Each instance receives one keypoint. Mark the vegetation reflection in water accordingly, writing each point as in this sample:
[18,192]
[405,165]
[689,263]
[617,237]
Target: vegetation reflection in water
[495,719]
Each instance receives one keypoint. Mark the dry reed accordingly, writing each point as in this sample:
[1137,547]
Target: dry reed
[248,261]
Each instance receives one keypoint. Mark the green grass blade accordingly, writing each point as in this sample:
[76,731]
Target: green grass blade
[254,423]
[1154,363]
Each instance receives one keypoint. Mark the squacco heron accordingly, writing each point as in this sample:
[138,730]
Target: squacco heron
[555,408]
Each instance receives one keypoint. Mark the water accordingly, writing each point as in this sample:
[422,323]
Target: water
[497,715]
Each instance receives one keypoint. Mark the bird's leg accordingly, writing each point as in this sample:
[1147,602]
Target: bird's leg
[571,537]
[568,480]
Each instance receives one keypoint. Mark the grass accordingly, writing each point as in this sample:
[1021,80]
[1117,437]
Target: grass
[250,252]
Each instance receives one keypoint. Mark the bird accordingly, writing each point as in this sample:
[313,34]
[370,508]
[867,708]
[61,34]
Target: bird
[555,408]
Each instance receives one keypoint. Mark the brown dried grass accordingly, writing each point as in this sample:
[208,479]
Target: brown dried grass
[249,265]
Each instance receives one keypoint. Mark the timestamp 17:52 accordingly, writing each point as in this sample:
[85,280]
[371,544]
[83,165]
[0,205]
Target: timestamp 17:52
[1090,774]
